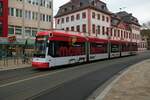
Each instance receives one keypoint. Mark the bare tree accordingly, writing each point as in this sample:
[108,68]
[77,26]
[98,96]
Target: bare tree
[146,25]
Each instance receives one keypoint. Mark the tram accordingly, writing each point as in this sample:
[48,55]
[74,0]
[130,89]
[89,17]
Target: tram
[57,47]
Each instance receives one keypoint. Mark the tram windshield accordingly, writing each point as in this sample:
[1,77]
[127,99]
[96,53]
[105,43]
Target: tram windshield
[40,46]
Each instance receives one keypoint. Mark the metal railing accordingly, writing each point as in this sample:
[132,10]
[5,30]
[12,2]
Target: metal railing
[15,61]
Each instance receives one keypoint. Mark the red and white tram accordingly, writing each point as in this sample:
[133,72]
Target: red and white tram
[56,48]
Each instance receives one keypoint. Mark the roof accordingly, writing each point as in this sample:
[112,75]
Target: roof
[128,18]
[61,35]
[123,18]
[77,5]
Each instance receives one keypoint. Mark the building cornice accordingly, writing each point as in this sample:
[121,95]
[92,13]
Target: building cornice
[83,8]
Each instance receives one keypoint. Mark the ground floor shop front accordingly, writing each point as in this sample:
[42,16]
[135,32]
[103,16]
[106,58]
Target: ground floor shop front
[16,48]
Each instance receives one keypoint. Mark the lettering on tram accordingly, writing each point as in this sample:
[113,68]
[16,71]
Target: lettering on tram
[63,48]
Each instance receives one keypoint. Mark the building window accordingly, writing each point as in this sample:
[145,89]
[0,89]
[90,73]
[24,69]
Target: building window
[78,28]
[93,15]
[103,30]
[107,19]
[107,30]
[114,32]
[34,31]
[84,15]
[27,31]
[50,18]
[33,15]
[67,19]
[18,13]
[1,28]
[28,15]
[11,30]
[67,28]
[77,16]
[62,20]
[93,28]
[98,29]
[18,30]
[36,16]
[121,34]
[118,33]
[58,21]
[44,19]
[72,28]
[11,12]
[47,18]
[1,8]
[72,18]
[125,34]
[98,16]
[103,18]
[84,28]
[111,30]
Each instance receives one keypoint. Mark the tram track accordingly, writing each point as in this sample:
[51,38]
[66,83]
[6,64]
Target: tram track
[49,83]
[19,75]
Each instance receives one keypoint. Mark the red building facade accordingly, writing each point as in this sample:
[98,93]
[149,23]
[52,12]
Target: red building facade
[3,18]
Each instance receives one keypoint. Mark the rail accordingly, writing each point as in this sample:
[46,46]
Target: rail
[15,61]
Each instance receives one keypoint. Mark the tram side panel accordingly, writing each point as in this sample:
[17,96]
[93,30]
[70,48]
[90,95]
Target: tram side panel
[64,53]
[98,51]
[125,49]
[134,48]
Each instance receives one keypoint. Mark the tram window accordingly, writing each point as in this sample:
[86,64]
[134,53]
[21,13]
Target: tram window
[114,48]
[62,49]
[96,48]
[125,47]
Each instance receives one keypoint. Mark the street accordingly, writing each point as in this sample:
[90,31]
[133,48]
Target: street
[68,83]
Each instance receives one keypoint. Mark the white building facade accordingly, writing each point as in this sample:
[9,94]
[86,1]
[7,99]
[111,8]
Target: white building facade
[27,17]
[91,18]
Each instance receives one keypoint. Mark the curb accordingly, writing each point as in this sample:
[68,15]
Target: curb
[13,68]
[102,91]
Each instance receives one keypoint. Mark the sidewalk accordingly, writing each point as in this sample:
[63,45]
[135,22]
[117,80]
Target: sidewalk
[13,64]
[133,84]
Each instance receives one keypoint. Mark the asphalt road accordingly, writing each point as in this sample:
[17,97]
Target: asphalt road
[67,83]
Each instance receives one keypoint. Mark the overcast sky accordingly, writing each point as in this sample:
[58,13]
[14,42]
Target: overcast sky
[139,8]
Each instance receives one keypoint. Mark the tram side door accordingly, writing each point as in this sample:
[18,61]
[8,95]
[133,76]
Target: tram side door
[87,49]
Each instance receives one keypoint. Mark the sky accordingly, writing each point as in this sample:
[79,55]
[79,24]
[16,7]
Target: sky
[139,8]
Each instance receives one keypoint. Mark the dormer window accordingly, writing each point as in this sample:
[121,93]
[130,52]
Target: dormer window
[72,7]
[103,7]
[65,9]
[81,4]
[93,2]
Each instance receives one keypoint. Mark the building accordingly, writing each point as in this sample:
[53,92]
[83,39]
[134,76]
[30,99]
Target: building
[91,17]
[125,27]
[20,20]
[119,29]
[25,17]
[143,45]
[133,24]
[145,34]
[3,18]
